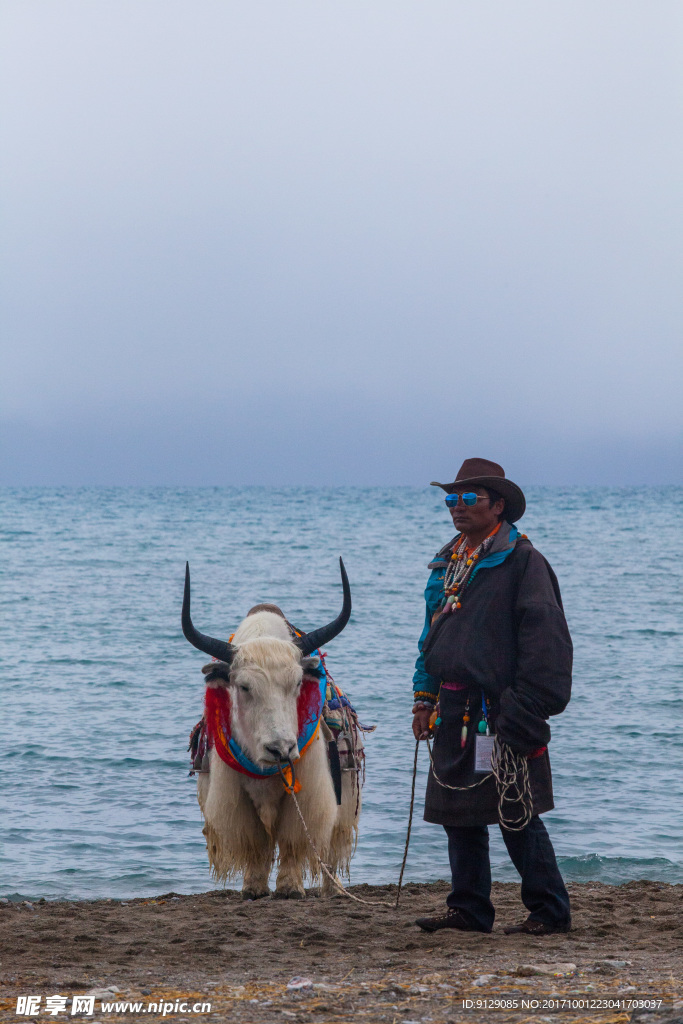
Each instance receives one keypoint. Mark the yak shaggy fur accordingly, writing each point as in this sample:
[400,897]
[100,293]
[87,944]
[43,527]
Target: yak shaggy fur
[249,822]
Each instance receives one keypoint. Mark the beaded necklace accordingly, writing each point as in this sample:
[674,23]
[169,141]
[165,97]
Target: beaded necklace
[458,574]
[460,568]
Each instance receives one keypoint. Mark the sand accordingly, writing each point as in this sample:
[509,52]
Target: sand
[364,963]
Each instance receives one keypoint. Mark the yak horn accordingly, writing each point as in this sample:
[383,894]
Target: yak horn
[316,639]
[216,648]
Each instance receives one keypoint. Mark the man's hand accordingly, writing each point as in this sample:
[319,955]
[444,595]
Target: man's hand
[421,718]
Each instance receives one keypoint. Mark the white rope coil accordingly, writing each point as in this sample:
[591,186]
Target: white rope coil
[511,772]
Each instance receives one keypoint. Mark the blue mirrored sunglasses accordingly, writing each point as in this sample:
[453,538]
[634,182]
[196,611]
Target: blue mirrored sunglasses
[470,498]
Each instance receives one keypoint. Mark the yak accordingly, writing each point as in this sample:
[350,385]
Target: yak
[264,701]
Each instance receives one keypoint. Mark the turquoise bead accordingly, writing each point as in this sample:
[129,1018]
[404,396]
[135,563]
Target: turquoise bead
[437,722]
[482,726]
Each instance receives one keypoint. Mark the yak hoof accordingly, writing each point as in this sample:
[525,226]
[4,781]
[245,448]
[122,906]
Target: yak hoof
[289,894]
[255,894]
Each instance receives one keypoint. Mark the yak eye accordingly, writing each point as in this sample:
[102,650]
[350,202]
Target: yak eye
[244,689]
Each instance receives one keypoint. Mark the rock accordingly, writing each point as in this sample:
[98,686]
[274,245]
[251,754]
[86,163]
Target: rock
[607,966]
[3,899]
[484,979]
[393,989]
[298,983]
[546,970]
[104,993]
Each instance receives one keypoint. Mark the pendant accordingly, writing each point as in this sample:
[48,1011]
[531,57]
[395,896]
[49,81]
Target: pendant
[463,736]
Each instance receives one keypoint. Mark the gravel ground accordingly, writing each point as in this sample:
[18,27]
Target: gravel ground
[356,962]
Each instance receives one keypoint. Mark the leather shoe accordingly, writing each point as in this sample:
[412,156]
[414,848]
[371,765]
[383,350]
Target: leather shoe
[451,919]
[531,927]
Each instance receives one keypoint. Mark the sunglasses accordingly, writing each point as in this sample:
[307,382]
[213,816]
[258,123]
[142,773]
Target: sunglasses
[470,498]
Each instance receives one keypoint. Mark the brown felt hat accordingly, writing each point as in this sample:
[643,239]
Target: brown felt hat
[482,473]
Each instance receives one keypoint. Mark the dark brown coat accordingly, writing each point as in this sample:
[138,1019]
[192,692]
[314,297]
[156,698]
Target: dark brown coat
[510,640]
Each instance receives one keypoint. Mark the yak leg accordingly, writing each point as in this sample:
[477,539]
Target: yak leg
[319,810]
[236,839]
[261,854]
[255,882]
[290,876]
[343,841]
[327,886]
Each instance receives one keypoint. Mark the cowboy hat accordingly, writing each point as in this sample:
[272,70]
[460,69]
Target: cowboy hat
[482,473]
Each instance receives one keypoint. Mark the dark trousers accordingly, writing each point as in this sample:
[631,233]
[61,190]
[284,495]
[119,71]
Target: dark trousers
[543,891]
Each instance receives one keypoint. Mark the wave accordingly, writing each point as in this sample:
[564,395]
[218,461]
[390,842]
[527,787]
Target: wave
[617,870]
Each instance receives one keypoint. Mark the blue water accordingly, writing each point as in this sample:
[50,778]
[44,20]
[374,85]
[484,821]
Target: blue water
[100,689]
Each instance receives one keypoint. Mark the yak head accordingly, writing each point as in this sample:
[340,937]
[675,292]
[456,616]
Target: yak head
[268,675]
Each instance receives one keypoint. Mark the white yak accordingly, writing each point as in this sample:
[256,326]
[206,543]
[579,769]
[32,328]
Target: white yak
[259,679]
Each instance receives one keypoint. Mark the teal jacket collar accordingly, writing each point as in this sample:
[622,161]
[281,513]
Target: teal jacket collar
[503,545]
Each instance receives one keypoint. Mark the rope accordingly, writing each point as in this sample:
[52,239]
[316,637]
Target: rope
[410,824]
[335,881]
[333,878]
[506,768]
[444,785]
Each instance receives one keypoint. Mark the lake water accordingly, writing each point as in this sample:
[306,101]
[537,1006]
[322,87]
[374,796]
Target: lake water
[100,689]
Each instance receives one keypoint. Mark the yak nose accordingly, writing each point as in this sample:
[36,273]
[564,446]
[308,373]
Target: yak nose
[283,751]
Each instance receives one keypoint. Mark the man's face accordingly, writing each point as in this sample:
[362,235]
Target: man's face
[474,519]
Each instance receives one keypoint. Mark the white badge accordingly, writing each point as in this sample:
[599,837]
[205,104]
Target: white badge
[483,748]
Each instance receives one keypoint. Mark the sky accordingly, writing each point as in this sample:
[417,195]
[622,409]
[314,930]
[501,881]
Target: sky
[293,242]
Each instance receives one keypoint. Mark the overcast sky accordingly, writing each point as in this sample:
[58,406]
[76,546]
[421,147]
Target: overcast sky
[324,242]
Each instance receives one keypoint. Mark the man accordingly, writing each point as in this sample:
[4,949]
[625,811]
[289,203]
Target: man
[495,653]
